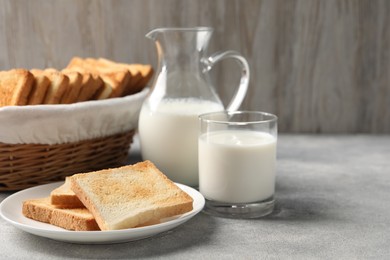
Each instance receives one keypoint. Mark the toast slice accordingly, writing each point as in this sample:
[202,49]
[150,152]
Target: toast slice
[38,92]
[64,197]
[15,87]
[90,86]
[146,72]
[79,219]
[135,74]
[141,74]
[130,78]
[93,82]
[115,79]
[73,91]
[118,81]
[104,91]
[118,77]
[130,196]
[93,86]
[76,62]
[58,85]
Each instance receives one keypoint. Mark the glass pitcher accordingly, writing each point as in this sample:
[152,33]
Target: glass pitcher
[182,90]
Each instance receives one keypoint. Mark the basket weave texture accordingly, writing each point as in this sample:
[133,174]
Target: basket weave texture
[26,165]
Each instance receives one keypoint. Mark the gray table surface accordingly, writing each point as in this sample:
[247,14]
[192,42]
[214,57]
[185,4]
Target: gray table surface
[333,202]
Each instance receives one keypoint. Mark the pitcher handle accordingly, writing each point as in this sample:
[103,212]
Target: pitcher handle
[240,93]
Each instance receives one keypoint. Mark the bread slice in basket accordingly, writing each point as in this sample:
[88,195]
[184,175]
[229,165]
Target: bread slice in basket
[15,87]
[38,92]
[141,74]
[74,87]
[130,196]
[91,86]
[59,84]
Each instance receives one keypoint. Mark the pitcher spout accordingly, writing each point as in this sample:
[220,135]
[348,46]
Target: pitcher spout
[153,34]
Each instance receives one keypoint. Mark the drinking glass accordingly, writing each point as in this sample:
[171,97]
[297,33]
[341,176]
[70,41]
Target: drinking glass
[237,159]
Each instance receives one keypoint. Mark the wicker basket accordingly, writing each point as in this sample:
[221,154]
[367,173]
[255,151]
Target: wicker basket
[27,165]
[45,143]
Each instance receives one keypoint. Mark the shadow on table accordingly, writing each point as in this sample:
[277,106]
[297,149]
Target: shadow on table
[193,233]
[300,205]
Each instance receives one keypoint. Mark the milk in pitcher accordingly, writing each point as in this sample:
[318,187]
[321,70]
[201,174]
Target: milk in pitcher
[169,136]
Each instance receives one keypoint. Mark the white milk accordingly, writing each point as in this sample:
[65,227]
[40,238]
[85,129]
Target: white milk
[169,137]
[237,166]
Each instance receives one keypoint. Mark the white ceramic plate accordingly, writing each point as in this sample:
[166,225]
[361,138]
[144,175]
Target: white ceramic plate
[11,211]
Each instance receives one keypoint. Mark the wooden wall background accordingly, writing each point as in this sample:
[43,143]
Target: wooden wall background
[321,66]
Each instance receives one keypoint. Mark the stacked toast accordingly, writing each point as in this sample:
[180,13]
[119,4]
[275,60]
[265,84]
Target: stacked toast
[119,198]
[82,80]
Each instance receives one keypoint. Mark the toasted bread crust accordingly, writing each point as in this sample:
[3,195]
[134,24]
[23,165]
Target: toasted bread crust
[130,196]
[15,87]
[103,92]
[115,79]
[79,219]
[140,74]
[90,85]
[64,197]
[73,91]
[58,85]
[146,74]
[82,80]
[39,89]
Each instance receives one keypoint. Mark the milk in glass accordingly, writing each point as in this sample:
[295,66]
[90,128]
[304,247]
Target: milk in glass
[237,166]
